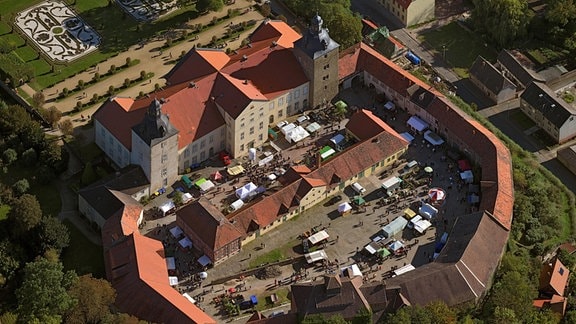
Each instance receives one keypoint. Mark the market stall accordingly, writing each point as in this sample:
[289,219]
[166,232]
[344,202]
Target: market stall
[318,237]
[315,256]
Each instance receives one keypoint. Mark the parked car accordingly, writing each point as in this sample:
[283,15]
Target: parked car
[173,193]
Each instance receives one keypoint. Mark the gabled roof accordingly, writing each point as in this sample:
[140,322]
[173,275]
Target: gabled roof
[100,197]
[540,97]
[490,76]
[275,31]
[316,298]
[554,277]
[119,118]
[136,268]
[464,269]
[197,63]
[209,224]
[519,65]
[363,124]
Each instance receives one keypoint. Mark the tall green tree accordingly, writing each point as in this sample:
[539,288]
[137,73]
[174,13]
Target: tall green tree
[94,298]
[344,27]
[25,214]
[52,235]
[504,21]
[43,296]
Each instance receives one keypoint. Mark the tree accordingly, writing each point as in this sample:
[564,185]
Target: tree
[38,99]
[10,256]
[52,115]
[441,313]
[209,5]
[94,298]
[345,27]
[514,291]
[177,198]
[66,127]
[25,214]
[29,157]
[21,186]
[43,296]
[561,12]
[9,156]
[321,319]
[364,315]
[52,234]
[504,21]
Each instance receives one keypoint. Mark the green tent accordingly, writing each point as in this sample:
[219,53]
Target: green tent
[358,200]
[199,182]
[383,252]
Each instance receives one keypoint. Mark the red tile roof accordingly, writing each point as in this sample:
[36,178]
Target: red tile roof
[364,125]
[136,267]
[276,30]
[197,63]
[209,224]
[554,277]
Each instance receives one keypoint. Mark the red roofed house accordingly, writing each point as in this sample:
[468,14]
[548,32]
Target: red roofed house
[209,230]
[553,281]
[410,12]
[136,267]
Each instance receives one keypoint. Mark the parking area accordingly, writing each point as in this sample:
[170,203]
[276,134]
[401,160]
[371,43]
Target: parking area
[348,233]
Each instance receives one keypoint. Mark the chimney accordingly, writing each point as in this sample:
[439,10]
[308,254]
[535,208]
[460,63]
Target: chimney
[245,81]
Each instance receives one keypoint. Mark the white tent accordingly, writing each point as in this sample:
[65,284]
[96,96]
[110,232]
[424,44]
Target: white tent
[394,227]
[395,246]
[344,207]
[296,134]
[428,211]
[173,280]
[433,138]
[327,152]
[314,127]
[391,183]
[204,260]
[170,263]
[417,123]
[167,206]
[372,247]
[186,197]
[407,136]
[237,204]
[318,237]
[192,300]
[207,186]
[287,128]
[176,231]
[245,191]
[467,176]
[185,242]
[315,256]
[422,225]
[404,269]
[351,271]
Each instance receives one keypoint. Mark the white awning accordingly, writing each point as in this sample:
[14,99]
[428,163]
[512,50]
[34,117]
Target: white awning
[186,197]
[316,256]
[344,207]
[314,127]
[176,231]
[173,280]
[433,138]
[287,128]
[296,134]
[207,186]
[167,206]
[428,211]
[170,263]
[185,242]
[204,260]
[327,153]
[372,247]
[246,190]
[403,269]
[237,204]
[422,225]
[318,237]
[351,271]
[391,183]
[417,123]
[192,300]
[407,136]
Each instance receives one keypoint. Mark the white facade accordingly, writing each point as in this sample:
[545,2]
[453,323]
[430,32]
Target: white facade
[202,149]
[158,161]
[110,145]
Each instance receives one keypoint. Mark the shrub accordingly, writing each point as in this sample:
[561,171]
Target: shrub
[80,84]
[156,87]
[96,76]
[111,90]
[65,91]
[29,157]
[21,186]
[79,105]
[112,69]
[94,98]
[142,75]
[10,156]
[127,82]
[128,61]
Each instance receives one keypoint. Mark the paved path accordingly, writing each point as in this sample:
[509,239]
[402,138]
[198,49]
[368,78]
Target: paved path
[502,107]
[150,61]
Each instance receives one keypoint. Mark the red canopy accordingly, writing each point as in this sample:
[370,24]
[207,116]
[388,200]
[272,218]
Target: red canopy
[464,165]
[216,175]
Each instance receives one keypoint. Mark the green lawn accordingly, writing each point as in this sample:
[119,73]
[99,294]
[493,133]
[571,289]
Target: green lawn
[4,28]
[270,257]
[4,209]
[462,46]
[13,39]
[26,53]
[82,255]
[264,301]
[90,152]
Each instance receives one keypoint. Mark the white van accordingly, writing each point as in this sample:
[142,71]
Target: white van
[358,188]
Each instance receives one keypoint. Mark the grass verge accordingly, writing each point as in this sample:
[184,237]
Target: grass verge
[82,255]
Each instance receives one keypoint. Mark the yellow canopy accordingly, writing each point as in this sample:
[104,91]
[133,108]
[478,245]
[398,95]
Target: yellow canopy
[409,213]
[235,170]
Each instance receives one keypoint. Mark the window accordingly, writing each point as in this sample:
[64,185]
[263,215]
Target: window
[164,158]
[194,160]
[194,148]
[297,94]
[251,120]
[260,137]
[305,89]
[280,113]
[280,101]
[211,139]
[242,147]
[202,144]
[289,98]
[187,153]
[261,114]
[242,135]
[242,125]
[221,145]
[251,130]
[261,125]
[288,110]
[296,106]
[271,105]
[164,172]
[202,155]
